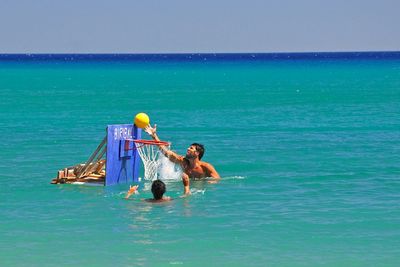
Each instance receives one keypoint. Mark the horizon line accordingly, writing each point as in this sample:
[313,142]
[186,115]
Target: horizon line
[200,53]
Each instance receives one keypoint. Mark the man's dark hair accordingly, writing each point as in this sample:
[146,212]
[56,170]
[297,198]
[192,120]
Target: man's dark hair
[199,148]
[158,189]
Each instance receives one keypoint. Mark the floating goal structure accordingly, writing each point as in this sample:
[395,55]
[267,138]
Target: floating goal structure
[115,160]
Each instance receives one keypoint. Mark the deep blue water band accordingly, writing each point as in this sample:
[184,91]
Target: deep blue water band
[389,55]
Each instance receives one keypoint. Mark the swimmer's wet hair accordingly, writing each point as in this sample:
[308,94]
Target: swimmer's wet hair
[199,148]
[158,189]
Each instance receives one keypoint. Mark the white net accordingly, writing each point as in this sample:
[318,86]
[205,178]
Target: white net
[150,155]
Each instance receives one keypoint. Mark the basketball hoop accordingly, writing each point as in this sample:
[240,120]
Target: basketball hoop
[150,153]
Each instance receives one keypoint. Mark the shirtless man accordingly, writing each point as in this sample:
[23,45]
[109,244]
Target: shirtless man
[191,163]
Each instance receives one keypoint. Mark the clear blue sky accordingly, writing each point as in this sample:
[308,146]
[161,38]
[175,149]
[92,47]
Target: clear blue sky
[185,26]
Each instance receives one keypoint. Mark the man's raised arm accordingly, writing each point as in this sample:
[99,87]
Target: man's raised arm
[172,156]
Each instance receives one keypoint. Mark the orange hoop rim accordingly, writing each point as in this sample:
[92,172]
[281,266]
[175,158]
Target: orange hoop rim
[151,142]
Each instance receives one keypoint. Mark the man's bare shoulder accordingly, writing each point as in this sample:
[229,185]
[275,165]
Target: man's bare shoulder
[209,169]
[206,164]
[164,199]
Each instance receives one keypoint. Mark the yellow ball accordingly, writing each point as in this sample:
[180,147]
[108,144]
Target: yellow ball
[142,120]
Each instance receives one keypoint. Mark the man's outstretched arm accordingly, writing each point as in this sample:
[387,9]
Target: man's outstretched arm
[186,184]
[152,131]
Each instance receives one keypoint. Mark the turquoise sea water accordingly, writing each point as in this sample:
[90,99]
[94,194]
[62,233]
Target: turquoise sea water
[308,148]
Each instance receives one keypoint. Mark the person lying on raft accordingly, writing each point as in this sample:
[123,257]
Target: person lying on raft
[158,189]
[191,163]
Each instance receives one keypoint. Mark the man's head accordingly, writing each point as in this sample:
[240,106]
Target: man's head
[158,189]
[195,150]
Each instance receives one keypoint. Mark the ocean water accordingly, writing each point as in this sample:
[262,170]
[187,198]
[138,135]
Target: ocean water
[308,147]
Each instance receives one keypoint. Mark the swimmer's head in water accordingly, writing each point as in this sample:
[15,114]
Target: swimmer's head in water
[158,189]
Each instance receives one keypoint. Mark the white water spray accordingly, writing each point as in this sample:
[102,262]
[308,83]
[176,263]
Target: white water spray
[168,170]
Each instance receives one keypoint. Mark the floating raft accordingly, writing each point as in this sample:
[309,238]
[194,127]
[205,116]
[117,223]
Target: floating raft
[94,174]
[93,171]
